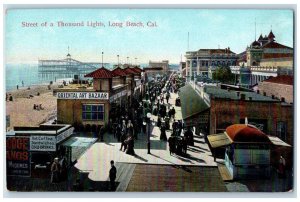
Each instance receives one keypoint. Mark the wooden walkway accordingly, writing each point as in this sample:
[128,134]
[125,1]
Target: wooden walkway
[226,176]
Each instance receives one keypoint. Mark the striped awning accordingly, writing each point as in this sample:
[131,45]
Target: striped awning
[219,140]
[278,142]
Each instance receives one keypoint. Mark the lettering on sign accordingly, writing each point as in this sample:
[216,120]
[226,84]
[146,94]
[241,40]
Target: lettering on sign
[83,95]
[42,143]
[17,156]
[64,135]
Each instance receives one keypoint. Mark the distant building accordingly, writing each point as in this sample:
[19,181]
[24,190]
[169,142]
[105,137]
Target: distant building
[263,58]
[199,62]
[280,87]
[160,64]
[153,73]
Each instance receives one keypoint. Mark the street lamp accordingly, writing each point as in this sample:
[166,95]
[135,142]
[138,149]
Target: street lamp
[118,60]
[102,59]
[148,122]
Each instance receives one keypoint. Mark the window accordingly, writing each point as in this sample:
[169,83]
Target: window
[93,112]
[281,130]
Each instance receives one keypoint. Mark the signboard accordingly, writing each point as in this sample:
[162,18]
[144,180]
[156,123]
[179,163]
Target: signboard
[117,95]
[42,143]
[83,95]
[17,156]
[64,135]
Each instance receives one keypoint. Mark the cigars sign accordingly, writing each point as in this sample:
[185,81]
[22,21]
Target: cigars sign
[17,156]
[83,95]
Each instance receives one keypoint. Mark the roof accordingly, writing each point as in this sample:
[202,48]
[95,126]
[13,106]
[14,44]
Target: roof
[118,72]
[281,79]
[217,92]
[191,102]
[101,73]
[137,69]
[217,51]
[274,44]
[271,35]
[128,70]
[246,133]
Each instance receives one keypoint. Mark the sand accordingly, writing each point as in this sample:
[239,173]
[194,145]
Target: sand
[21,108]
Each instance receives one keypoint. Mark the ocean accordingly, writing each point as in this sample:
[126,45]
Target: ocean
[15,74]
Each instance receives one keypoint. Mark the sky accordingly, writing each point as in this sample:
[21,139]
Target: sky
[207,28]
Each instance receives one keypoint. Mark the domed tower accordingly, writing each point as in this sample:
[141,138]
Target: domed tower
[254,53]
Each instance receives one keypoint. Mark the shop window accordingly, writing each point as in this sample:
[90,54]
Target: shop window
[93,112]
[281,130]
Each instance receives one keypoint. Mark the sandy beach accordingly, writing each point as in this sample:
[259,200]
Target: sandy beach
[21,108]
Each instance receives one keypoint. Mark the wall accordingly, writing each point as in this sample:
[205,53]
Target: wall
[283,62]
[278,90]
[70,111]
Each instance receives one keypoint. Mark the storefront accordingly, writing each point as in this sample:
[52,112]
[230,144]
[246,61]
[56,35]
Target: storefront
[31,150]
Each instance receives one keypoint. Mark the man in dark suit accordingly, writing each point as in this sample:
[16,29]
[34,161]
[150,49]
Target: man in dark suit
[112,176]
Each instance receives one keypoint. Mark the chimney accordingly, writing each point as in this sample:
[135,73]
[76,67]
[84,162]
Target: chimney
[238,93]
[273,96]
[243,96]
[282,99]
[257,91]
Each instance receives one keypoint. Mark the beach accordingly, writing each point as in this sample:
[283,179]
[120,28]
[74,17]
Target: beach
[21,110]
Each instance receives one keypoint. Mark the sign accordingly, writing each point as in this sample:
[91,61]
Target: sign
[83,95]
[17,156]
[42,143]
[117,95]
[64,135]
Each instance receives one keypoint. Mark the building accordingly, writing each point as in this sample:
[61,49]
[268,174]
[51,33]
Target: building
[89,107]
[248,151]
[31,150]
[199,62]
[280,87]
[262,59]
[153,73]
[160,64]
[211,109]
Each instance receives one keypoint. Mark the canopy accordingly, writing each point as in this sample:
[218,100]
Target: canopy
[219,140]
[278,142]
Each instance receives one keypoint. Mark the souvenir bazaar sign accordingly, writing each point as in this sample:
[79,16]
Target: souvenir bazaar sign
[83,95]
[42,143]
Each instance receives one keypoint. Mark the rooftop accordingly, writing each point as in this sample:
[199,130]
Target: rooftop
[217,92]
[101,73]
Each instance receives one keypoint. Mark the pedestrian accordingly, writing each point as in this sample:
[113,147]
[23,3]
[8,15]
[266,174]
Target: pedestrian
[281,168]
[163,135]
[101,133]
[112,176]
[55,170]
[123,144]
[172,145]
[17,87]
[23,83]
[167,98]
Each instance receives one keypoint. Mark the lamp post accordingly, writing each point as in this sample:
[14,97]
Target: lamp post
[102,59]
[118,60]
[148,122]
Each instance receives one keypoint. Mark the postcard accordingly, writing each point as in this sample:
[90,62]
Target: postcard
[149,100]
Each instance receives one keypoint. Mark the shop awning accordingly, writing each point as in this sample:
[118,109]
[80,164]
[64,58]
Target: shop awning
[191,102]
[278,142]
[218,140]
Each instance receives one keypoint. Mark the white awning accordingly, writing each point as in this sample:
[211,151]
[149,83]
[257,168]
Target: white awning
[278,142]
[219,140]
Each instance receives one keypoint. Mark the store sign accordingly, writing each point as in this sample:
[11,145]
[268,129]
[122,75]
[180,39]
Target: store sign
[17,156]
[117,95]
[42,143]
[83,95]
[64,135]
